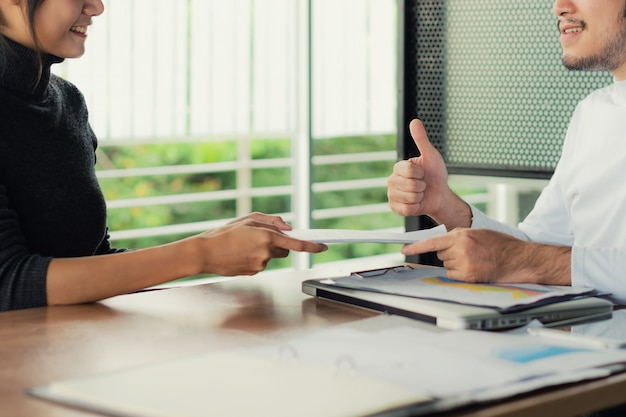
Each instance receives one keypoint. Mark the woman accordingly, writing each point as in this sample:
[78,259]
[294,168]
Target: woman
[54,246]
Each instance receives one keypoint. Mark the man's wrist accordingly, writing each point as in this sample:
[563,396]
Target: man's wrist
[539,263]
[457,215]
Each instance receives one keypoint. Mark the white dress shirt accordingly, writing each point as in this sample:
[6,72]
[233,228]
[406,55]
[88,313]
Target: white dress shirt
[584,204]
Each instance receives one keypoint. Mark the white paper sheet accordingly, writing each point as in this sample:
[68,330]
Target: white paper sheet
[364,236]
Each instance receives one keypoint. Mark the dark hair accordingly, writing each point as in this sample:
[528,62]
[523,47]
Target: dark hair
[31,9]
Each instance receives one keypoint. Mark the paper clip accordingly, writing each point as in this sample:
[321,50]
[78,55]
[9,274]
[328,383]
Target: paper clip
[382,271]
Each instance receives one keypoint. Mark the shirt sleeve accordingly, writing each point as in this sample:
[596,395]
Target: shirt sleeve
[600,268]
[550,220]
[481,221]
[22,274]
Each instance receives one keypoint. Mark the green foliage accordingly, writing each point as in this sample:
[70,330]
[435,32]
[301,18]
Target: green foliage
[271,177]
[274,148]
[354,144]
[337,199]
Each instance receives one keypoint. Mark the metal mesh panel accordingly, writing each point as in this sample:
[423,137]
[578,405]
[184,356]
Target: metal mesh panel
[486,78]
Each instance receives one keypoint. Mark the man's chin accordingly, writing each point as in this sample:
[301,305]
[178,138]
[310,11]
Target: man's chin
[582,64]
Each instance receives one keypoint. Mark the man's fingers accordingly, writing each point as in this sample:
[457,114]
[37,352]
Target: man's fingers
[418,133]
[433,244]
[414,249]
[409,169]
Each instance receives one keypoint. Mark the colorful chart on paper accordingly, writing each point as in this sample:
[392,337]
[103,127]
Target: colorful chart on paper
[517,292]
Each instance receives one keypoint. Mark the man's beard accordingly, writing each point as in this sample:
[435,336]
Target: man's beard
[611,57]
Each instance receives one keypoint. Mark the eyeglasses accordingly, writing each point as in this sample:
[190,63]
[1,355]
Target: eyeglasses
[382,271]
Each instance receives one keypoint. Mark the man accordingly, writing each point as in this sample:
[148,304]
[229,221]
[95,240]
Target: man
[576,233]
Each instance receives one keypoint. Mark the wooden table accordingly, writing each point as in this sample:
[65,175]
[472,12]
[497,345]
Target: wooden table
[42,345]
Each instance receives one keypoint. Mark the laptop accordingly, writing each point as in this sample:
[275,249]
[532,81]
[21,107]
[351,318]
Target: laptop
[456,316]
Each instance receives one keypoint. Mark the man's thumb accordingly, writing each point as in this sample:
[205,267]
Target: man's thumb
[418,133]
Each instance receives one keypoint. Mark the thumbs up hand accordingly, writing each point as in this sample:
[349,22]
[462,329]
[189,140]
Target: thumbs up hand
[419,186]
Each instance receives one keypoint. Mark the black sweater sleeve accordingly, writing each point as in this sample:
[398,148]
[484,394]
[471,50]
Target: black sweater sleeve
[22,274]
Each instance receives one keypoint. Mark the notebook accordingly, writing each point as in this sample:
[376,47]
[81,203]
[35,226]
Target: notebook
[455,316]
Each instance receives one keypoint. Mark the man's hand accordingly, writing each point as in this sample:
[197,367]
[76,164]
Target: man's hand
[481,255]
[419,186]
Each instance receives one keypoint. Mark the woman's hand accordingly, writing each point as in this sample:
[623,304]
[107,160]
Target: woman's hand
[246,245]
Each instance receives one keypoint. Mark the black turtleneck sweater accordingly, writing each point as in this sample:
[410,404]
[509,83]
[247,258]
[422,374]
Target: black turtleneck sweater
[50,202]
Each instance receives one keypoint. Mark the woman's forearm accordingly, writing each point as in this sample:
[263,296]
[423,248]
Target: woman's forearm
[88,279]
[243,247]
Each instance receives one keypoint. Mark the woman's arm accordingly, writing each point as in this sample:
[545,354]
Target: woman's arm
[243,247]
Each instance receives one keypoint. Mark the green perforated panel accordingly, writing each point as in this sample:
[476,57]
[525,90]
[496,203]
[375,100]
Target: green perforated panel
[486,78]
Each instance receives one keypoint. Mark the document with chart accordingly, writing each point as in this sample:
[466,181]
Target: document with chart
[432,283]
